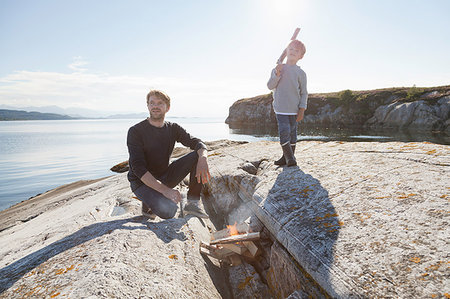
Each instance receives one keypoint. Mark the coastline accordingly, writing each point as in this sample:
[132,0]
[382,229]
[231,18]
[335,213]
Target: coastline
[34,206]
[79,149]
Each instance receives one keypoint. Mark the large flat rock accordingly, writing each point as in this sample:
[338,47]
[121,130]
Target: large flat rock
[363,219]
[90,242]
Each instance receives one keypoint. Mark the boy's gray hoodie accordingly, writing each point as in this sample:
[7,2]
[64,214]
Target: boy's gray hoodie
[290,89]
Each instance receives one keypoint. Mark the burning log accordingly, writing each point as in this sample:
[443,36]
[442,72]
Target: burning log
[237,248]
[231,230]
[231,244]
[215,251]
[254,250]
[237,238]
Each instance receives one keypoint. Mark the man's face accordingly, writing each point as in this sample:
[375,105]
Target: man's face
[157,108]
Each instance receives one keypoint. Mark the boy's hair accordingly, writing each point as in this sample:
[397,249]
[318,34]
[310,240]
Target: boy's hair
[298,45]
[160,95]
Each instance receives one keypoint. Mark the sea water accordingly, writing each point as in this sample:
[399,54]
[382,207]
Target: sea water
[36,156]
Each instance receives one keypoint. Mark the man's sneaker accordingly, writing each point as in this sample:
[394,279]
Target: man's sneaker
[192,208]
[147,212]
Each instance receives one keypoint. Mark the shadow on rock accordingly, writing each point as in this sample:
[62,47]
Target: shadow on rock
[166,230]
[301,216]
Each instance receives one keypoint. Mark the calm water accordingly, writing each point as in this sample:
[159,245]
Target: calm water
[36,156]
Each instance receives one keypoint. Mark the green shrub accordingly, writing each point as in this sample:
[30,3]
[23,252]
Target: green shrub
[361,97]
[414,93]
[346,97]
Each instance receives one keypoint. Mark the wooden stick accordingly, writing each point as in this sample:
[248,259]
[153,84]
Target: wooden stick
[215,251]
[251,247]
[283,55]
[237,238]
[224,252]
[207,246]
[242,228]
[205,251]
[235,248]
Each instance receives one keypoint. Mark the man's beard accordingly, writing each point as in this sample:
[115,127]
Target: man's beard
[156,116]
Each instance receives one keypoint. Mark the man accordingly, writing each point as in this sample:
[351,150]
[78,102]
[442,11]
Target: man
[150,145]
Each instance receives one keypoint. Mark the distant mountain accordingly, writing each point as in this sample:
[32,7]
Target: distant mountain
[6,114]
[71,111]
[128,116]
[77,112]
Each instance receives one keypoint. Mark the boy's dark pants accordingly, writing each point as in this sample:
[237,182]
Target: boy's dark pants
[287,128]
[175,173]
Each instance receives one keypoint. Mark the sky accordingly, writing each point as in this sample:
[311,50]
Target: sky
[107,54]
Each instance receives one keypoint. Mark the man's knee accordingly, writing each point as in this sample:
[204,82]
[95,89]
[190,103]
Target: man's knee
[194,156]
[167,212]
[188,160]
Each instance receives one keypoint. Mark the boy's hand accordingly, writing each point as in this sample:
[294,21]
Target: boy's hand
[278,69]
[300,113]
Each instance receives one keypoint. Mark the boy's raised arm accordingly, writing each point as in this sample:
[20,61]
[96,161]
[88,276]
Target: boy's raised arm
[274,79]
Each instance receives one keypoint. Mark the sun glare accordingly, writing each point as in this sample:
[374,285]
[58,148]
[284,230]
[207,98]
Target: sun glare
[284,12]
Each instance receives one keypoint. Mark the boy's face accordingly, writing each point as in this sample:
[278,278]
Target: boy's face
[157,108]
[294,53]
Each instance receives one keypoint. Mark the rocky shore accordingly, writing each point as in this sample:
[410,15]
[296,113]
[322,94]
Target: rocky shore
[424,109]
[358,220]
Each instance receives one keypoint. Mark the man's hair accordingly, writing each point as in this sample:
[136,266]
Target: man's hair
[160,95]
[298,45]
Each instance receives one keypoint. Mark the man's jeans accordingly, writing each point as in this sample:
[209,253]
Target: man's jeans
[287,128]
[177,171]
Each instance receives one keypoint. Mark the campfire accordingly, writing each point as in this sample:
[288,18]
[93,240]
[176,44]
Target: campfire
[230,244]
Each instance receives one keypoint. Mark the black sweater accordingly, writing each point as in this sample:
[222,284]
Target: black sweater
[150,148]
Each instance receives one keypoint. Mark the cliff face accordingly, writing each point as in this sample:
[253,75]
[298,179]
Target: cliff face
[416,108]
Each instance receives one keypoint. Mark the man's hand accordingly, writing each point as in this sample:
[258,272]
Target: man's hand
[202,173]
[300,113]
[278,69]
[172,194]
[149,180]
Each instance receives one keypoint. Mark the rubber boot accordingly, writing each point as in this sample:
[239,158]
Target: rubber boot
[282,160]
[289,155]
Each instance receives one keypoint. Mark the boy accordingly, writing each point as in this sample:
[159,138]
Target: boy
[290,99]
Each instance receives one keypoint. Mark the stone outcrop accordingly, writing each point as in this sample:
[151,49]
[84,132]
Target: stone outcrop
[95,244]
[353,220]
[418,114]
[414,108]
[361,220]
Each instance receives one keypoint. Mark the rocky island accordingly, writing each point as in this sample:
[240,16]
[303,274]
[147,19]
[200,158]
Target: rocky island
[424,109]
[353,220]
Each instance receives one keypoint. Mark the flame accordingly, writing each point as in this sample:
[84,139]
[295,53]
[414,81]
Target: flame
[232,229]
